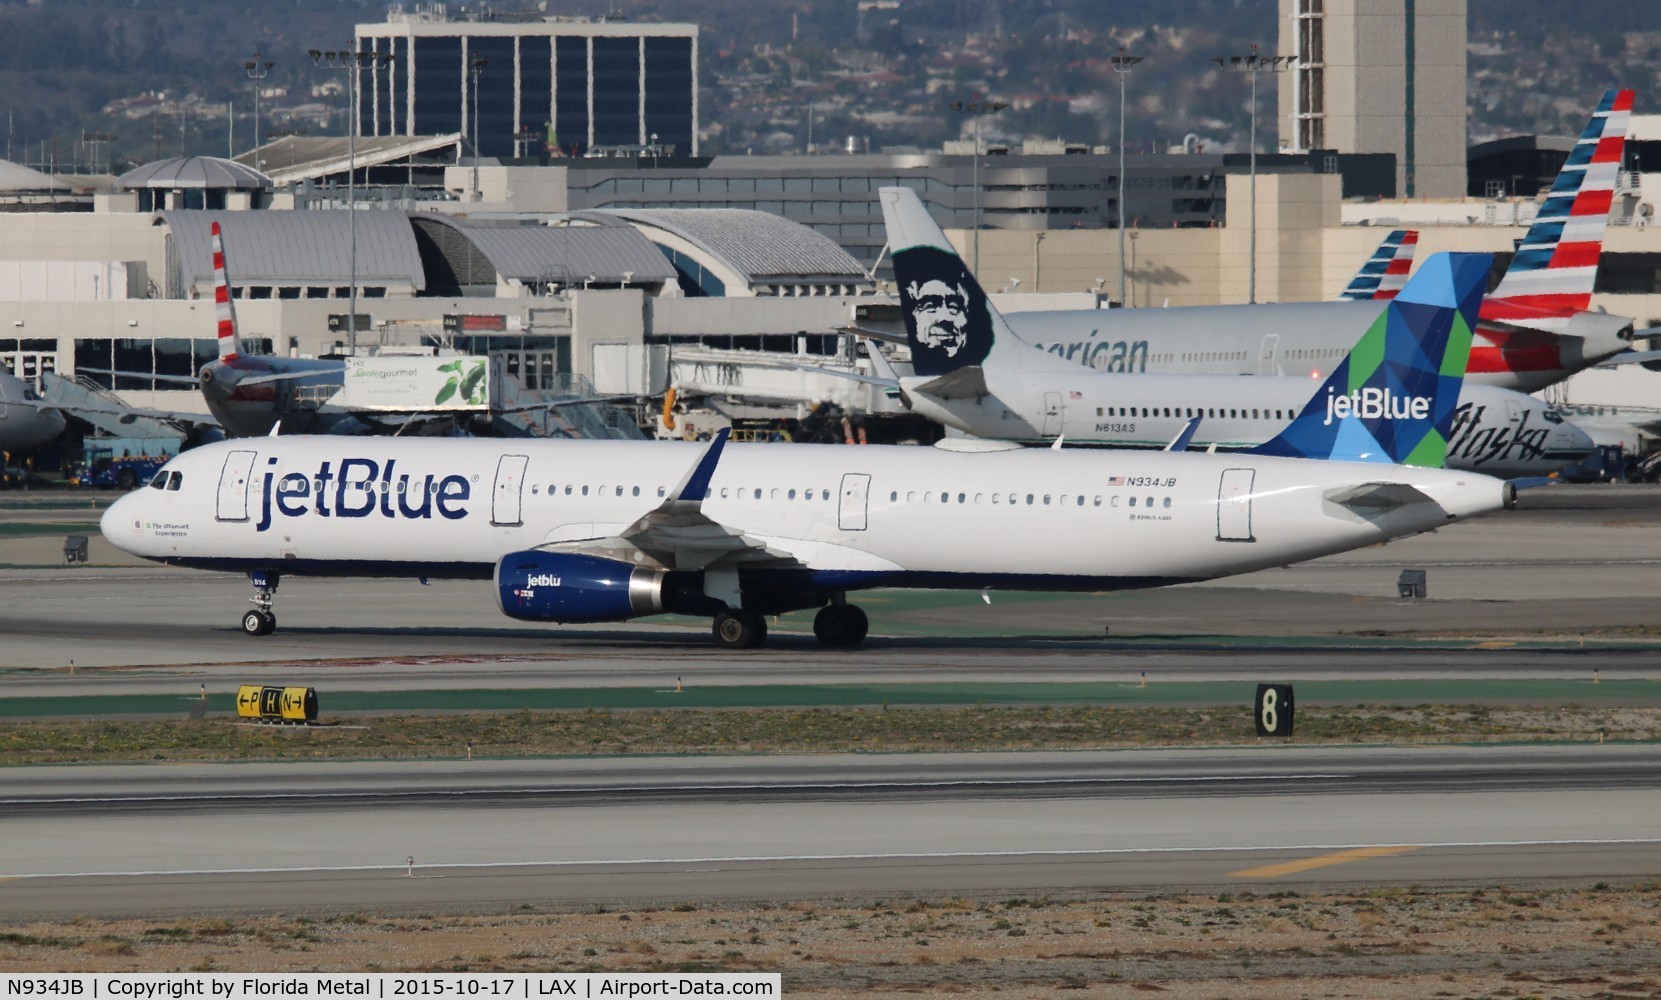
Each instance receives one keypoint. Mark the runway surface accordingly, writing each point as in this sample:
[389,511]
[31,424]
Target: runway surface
[251,838]
[1512,597]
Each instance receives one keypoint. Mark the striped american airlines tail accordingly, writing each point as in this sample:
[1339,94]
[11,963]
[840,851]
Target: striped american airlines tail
[1385,273]
[1555,266]
[223,310]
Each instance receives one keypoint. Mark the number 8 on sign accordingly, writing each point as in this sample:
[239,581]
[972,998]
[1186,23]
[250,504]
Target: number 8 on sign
[1273,710]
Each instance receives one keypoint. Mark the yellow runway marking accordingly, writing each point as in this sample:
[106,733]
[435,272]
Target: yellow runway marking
[1494,644]
[1321,861]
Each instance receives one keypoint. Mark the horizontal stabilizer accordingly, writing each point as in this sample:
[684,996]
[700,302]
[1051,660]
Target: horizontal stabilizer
[1378,497]
[865,331]
[1629,358]
[962,383]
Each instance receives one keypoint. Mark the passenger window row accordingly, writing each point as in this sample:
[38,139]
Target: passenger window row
[1006,499]
[725,492]
[1214,412]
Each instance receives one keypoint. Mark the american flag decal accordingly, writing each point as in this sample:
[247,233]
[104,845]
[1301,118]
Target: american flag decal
[1115,480]
[1074,394]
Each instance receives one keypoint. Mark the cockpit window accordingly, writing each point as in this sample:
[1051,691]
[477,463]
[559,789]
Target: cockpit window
[175,480]
[159,481]
[1554,417]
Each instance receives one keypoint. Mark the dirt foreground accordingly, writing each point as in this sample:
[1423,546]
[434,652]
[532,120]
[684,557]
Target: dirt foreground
[1600,941]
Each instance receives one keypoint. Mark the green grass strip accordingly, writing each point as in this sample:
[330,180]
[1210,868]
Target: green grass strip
[1128,692]
[48,528]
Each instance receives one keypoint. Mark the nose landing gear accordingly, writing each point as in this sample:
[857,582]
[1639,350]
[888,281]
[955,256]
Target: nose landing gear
[261,621]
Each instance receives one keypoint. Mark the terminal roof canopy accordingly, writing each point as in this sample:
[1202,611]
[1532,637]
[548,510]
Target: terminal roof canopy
[15,177]
[296,248]
[533,252]
[761,246]
[187,172]
[295,158]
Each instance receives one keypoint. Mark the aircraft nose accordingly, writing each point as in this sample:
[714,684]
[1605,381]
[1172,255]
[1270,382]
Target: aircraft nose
[117,524]
[112,517]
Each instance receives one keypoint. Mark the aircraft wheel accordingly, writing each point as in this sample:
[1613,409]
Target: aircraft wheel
[258,623]
[740,629]
[840,625]
[859,624]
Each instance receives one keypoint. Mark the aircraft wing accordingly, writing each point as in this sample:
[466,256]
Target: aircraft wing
[127,413]
[679,535]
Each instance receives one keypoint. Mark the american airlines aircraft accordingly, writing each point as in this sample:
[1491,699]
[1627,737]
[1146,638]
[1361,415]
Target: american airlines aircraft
[601,531]
[1535,329]
[249,394]
[1385,272]
[1015,393]
[25,420]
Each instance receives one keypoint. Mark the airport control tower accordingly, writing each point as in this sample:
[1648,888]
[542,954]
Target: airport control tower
[1379,76]
[563,85]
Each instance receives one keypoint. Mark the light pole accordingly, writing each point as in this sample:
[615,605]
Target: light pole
[258,69]
[475,66]
[351,61]
[1122,65]
[1254,64]
[975,109]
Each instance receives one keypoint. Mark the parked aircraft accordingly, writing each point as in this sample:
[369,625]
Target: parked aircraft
[1018,394]
[1536,329]
[249,395]
[25,420]
[1385,272]
[599,531]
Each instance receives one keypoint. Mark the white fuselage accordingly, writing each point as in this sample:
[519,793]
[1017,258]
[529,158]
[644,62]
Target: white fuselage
[1495,431]
[829,516]
[1300,338]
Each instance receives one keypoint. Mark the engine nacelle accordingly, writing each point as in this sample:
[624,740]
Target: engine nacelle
[570,587]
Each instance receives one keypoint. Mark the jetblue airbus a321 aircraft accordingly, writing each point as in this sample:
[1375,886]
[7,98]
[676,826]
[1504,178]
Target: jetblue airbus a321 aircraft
[599,531]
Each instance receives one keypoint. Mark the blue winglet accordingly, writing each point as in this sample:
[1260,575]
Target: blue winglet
[697,484]
[1182,440]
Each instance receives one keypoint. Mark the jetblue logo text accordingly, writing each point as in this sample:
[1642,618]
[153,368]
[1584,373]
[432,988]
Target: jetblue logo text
[542,580]
[1375,404]
[362,488]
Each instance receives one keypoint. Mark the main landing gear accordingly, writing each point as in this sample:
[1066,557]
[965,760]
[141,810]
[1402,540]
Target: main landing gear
[841,625]
[740,629]
[837,624]
[261,621]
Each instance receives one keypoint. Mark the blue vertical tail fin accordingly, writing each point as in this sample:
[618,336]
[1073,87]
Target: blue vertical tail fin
[1392,399]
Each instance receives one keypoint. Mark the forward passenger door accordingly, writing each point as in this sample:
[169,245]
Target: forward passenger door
[855,494]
